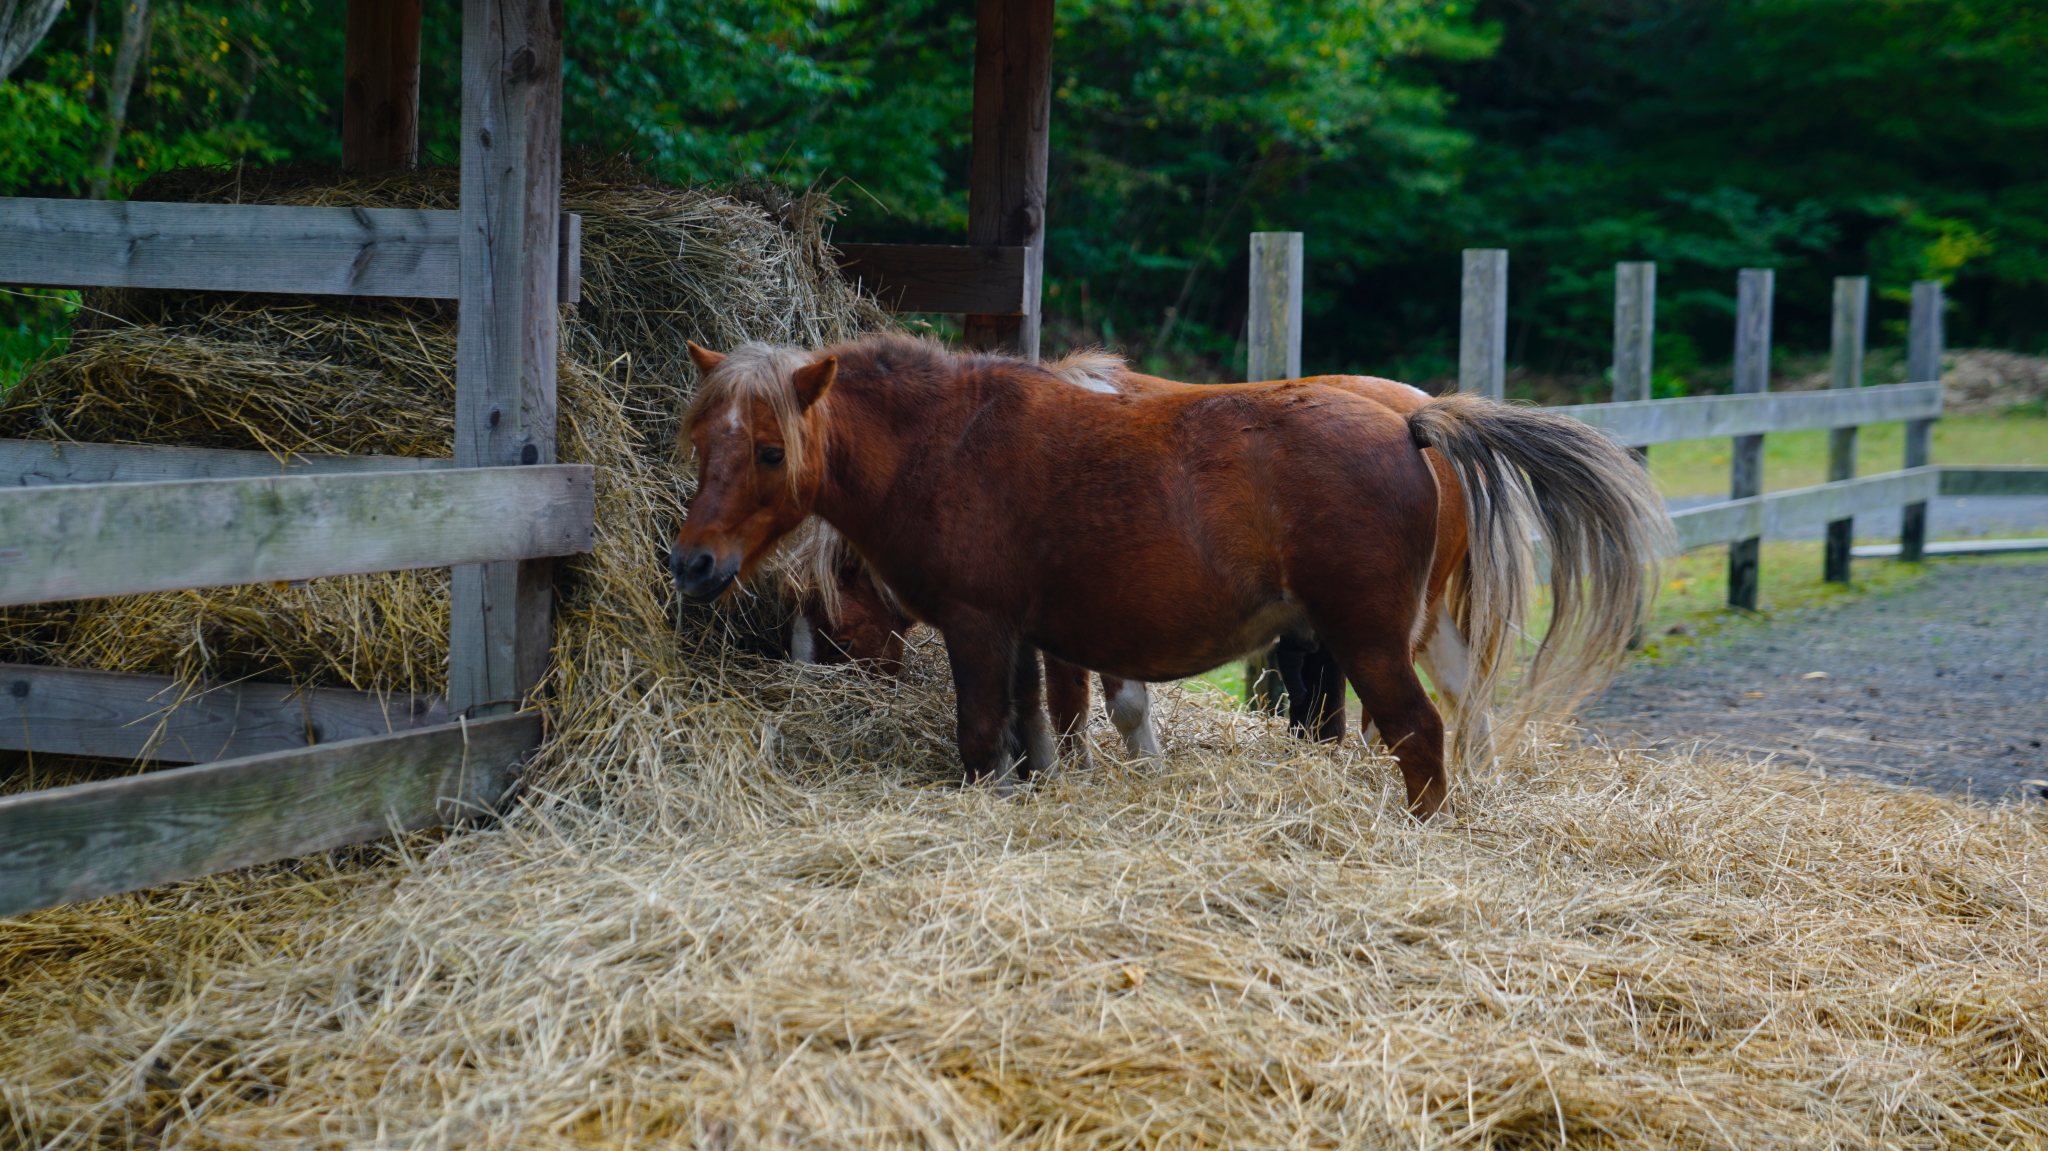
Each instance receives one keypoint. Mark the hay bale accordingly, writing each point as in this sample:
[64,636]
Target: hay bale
[357,375]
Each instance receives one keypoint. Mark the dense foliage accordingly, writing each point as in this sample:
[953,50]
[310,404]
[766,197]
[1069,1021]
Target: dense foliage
[1898,138]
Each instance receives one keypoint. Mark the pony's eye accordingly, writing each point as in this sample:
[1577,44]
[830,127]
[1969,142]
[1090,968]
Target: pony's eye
[769,457]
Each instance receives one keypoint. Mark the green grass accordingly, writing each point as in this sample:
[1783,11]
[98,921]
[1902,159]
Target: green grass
[1800,459]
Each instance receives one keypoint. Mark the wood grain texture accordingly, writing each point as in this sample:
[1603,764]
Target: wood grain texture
[94,839]
[77,711]
[1776,515]
[1708,417]
[84,540]
[1012,142]
[1994,481]
[1273,319]
[39,463]
[1635,329]
[1924,338]
[950,278]
[506,347]
[380,92]
[230,247]
[1483,323]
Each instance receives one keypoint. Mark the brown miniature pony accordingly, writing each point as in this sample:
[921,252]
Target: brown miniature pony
[994,498]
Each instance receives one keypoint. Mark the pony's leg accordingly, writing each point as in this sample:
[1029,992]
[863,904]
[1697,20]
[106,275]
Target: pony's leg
[1130,709]
[1408,723]
[1027,702]
[1448,662]
[1066,700]
[1315,688]
[984,657]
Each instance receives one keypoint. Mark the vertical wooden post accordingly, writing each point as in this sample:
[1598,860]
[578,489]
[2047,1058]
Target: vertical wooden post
[1924,340]
[1273,352]
[505,356]
[1845,370]
[1006,170]
[1752,374]
[1483,323]
[380,96]
[1635,329]
[1273,326]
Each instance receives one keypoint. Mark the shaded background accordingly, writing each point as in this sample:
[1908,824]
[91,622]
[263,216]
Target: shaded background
[1901,139]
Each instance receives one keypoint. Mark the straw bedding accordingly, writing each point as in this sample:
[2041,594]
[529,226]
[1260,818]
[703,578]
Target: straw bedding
[737,908]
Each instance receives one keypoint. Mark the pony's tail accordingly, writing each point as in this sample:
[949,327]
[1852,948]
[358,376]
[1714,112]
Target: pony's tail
[1530,474]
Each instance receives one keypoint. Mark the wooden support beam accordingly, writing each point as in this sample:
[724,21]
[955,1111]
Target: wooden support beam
[1635,329]
[1994,481]
[94,839]
[1923,365]
[950,278]
[230,247]
[1483,323]
[39,463]
[79,541]
[77,711]
[1845,370]
[1753,288]
[499,614]
[380,95]
[1272,352]
[1011,146]
[1711,417]
[1779,514]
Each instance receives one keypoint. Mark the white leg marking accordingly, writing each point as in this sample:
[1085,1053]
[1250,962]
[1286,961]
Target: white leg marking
[803,642]
[1131,711]
[1448,663]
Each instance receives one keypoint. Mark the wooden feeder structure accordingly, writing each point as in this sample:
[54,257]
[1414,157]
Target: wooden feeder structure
[277,771]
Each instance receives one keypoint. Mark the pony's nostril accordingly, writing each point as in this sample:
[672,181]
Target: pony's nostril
[701,566]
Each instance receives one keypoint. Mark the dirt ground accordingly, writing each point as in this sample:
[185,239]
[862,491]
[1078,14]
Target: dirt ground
[1943,686]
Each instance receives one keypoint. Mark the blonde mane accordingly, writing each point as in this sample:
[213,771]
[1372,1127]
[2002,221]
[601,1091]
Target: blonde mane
[760,372]
[1089,368]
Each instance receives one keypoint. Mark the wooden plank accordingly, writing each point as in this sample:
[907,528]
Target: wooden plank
[94,839]
[77,711]
[499,614]
[1006,169]
[1711,417]
[39,463]
[1923,363]
[1845,370]
[950,278]
[380,93]
[1273,321]
[1483,323]
[229,247]
[569,285]
[1994,481]
[1753,291]
[1778,514]
[1959,548]
[83,540]
[1635,329]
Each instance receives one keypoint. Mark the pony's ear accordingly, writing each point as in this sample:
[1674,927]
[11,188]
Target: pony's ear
[812,381]
[703,358]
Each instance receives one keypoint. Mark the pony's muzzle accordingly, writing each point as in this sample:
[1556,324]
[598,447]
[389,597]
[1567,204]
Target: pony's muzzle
[700,574]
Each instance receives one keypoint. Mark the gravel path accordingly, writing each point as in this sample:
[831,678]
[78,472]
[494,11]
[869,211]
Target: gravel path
[1944,686]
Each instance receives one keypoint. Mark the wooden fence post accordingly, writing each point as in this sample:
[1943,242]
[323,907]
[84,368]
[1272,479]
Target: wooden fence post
[1923,365]
[1845,370]
[1635,329]
[1273,352]
[1752,374]
[1007,165]
[505,354]
[1483,323]
[380,94]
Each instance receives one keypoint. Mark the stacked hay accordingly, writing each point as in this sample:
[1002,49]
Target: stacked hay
[734,912]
